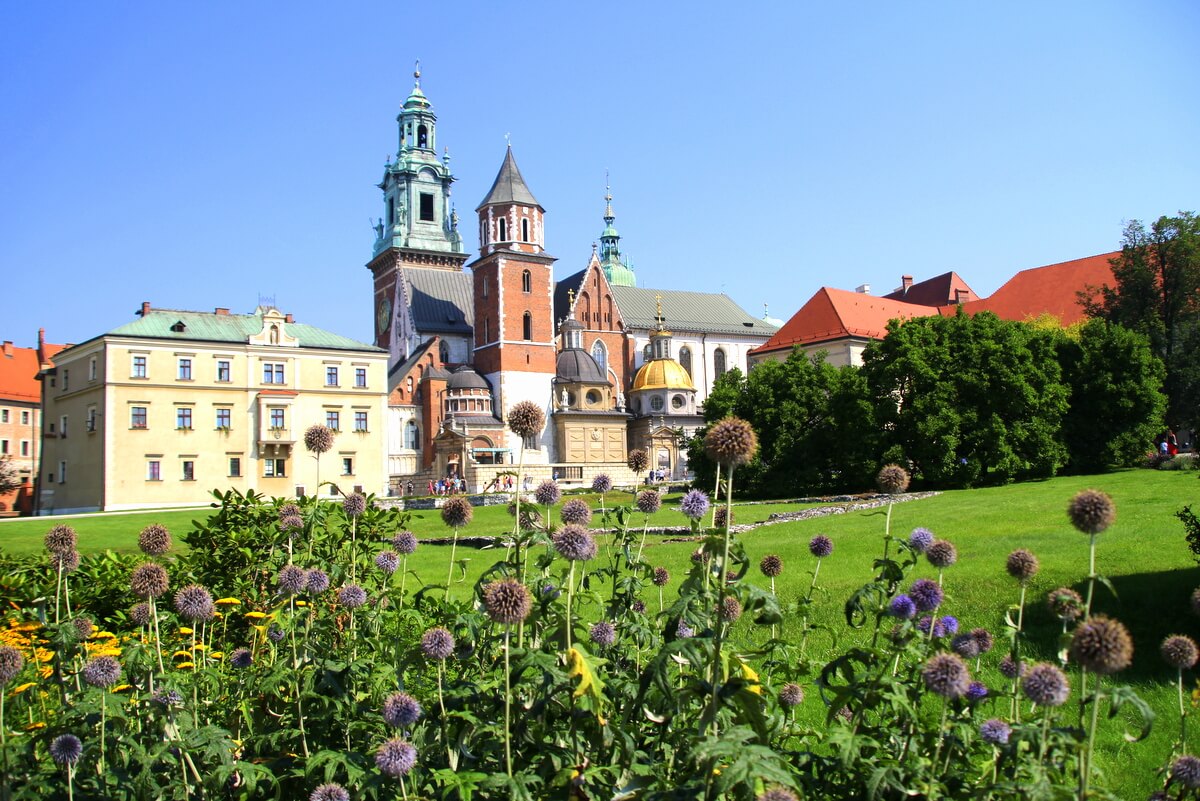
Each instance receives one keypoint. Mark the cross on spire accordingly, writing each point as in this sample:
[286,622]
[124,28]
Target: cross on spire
[417,73]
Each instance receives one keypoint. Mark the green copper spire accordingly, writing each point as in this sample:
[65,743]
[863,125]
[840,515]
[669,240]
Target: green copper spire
[616,267]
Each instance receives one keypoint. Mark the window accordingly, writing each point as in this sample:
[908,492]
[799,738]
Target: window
[66,379]
[527,326]
[646,354]
[24,418]
[360,421]
[331,376]
[524,230]
[347,466]
[3,415]
[718,362]
[274,468]
[656,403]
[677,402]
[183,418]
[62,472]
[412,435]
[225,418]
[139,367]
[272,373]
[24,447]
[530,442]
[91,418]
[185,370]
[422,136]
[526,281]
[189,470]
[485,287]
[235,466]
[427,207]
[62,431]
[503,230]
[332,420]
[594,397]
[137,417]
[223,371]
[444,351]
[360,377]
[277,418]
[3,446]
[601,357]
[685,359]
[92,369]
[154,470]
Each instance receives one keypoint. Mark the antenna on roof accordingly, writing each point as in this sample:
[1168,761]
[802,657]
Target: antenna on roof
[266,300]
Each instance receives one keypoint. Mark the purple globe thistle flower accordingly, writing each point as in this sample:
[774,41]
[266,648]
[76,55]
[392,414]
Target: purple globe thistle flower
[83,626]
[976,691]
[683,631]
[547,493]
[946,675]
[790,695]
[387,561]
[291,580]
[551,592]
[61,539]
[354,504]
[318,439]
[983,638]
[11,662]
[241,658]
[926,594]
[699,556]
[1046,685]
[1065,603]
[1186,771]
[316,581]
[140,614]
[154,540]
[401,710]
[331,791]
[290,523]
[575,544]
[1102,645]
[405,543]
[949,624]
[940,628]
[721,518]
[526,419]
[731,609]
[995,731]
[601,483]
[603,633]
[1010,668]
[941,554]
[395,758]
[352,596]
[892,479]
[638,460]
[694,504]
[507,601]
[965,645]
[1021,565]
[149,580]
[194,603]
[661,577]
[457,512]
[638,606]
[649,502]
[777,794]
[101,671]
[167,698]
[902,607]
[289,510]
[576,512]
[437,643]
[820,546]
[1179,651]
[66,561]
[920,539]
[731,442]
[66,749]
[275,634]
[1091,511]
[771,566]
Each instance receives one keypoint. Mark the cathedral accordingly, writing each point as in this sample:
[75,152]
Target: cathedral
[615,366]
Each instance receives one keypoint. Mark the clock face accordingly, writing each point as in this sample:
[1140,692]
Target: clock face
[384,316]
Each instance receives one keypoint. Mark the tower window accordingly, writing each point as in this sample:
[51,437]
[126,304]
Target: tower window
[503,230]
[444,351]
[525,230]
[719,362]
[391,211]
[527,326]
[422,136]
[600,356]
[526,280]
[426,207]
[685,359]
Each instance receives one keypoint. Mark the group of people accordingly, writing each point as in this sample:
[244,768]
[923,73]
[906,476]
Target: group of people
[501,484]
[1168,445]
[656,476]
[447,485]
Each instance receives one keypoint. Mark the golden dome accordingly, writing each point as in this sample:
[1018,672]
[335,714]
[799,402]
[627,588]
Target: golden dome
[662,374]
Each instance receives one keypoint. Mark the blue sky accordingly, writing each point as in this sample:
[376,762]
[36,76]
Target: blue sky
[201,155]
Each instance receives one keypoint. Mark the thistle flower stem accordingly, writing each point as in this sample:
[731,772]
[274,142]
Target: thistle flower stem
[1045,735]
[660,600]
[353,556]
[721,587]
[3,735]
[195,699]
[570,595]
[1085,767]
[299,678]
[157,636]
[887,543]
[403,577]
[507,706]
[642,544]
[937,752]
[807,603]
[442,706]
[70,782]
[450,574]
[103,726]
[716,494]
[773,631]
[1087,612]
[1182,716]
[58,589]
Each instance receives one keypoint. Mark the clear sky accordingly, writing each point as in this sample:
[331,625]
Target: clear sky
[203,154]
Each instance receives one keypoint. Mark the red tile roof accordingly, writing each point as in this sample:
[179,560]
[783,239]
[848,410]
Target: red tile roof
[1052,289]
[18,372]
[937,291]
[833,314]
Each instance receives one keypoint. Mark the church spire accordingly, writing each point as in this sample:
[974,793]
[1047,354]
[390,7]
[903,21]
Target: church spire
[616,267]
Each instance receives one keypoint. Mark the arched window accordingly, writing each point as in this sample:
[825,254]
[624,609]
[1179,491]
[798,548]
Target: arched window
[525,230]
[646,353]
[487,331]
[410,385]
[526,278]
[601,356]
[422,136]
[608,311]
[391,211]
[412,438]
[719,362]
[444,351]
[503,230]
[685,358]
[527,326]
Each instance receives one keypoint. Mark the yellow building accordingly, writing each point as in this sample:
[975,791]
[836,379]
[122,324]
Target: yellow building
[165,409]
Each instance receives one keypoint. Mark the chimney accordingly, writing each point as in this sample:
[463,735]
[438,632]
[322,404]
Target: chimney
[863,289]
[288,318]
[8,349]
[905,283]
[145,309]
[221,312]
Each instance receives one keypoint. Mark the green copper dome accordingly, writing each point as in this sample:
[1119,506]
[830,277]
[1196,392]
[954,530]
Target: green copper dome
[616,267]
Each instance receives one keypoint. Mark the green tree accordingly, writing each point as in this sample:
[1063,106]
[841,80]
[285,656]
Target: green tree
[1116,403]
[1157,293]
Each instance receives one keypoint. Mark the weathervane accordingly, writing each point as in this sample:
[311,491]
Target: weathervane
[417,73]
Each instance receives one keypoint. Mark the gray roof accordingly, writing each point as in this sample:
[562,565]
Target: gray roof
[575,365]
[509,186]
[562,305]
[443,301]
[701,312]
[211,327]
[401,369]
[466,378]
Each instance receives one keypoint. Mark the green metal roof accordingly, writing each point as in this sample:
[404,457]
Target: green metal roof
[211,327]
[701,312]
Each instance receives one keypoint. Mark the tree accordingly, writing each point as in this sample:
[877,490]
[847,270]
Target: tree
[10,480]
[1116,405]
[1157,293]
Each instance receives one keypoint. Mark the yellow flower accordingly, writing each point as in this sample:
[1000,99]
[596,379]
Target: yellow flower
[35,726]
[31,625]
[255,615]
[185,654]
[230,601]
[21,688]
[185,630]
[200,647]
[45,655]
[217,655]
[120,688]
[301,603]
[185,665]
[106,634]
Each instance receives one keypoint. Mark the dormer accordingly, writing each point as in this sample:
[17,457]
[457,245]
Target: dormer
[274,329]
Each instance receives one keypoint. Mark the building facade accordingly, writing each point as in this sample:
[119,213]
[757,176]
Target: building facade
[162,410]
[21,418]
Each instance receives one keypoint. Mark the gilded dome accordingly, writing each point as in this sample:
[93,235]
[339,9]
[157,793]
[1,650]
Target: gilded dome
[662,374]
